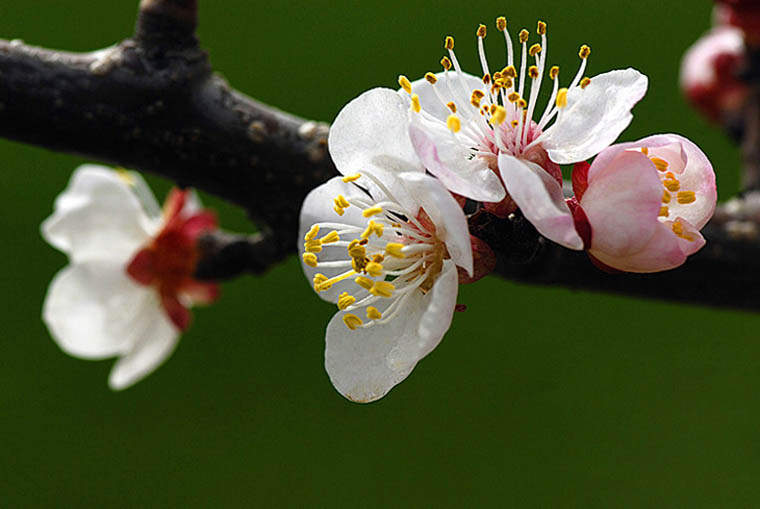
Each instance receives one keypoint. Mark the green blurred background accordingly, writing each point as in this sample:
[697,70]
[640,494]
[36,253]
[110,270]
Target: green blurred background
[536,398]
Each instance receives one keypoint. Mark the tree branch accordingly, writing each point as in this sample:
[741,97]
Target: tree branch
[153,103]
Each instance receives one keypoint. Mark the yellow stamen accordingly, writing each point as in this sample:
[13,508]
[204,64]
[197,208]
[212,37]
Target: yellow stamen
[533,71]
[522,103]
[372,211]
[404,82]
[446,63]
[584,52]
[356,250]
[486,79]
[513,97]
[373,227]
[378,258]
[562,98]
[541,28]
[330,238]
[452,107]
[345,300]
[326,285]
[312,234]
[430,77]
[313,246]
[686,197]
[352,178]
[585,82]
[672,185]
[310,259]
[501,23]
[664,212]
[515,123]
[448,43]
[416,107]
[374,269]
[509,72]
[338,211]
[318,280]
[535,50]
[645,151]
[524,34]
[554,72]
[453,123]
[352,321]
[666,197]
[394,249]
[481,31]
[661,164]
[498,115]
[373,313]
[364,282]
[679,231]
[382,289]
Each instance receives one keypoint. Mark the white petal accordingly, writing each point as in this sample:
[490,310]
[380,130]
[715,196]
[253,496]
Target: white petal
[93,310]
[446,214]
[97,217]
[318,208]
[450,159]
[372,133]
[365,364]
[540,199]
[595,116]
[156,340]
[450,88]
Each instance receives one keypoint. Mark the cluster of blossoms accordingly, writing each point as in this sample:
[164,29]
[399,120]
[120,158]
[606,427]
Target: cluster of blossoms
[388,242]
[392,235]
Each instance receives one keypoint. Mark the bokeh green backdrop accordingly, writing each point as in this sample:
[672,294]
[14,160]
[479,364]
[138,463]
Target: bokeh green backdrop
[536,397]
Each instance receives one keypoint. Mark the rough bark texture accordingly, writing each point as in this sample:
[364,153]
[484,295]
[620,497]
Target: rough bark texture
[152,103]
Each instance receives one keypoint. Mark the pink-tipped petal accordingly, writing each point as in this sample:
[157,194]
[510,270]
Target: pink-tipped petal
[540,199]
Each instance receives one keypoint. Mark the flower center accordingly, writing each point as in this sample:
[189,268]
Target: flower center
[394,255]
[497,116]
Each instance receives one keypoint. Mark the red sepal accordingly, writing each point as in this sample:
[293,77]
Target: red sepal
[603,266]
[178,314]
[141,268]
[582,226]
[501,209]
[484,261]
[197,224]
[580,179]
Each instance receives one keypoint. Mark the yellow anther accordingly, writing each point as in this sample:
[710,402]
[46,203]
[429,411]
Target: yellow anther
[672,185]
[319,280]
[454,124]
[404,83]
[506,82]
[486,79]
[448,43]
[394,249]
[515,123]
[562,98]
[416,107]
[476,97]
[584,52]
[686,197]
[338,211]
[660,164]
[664,212]
[585,82]
[373,227]
[352,178]
[645,151]
[310,259]
[501,23]
[535,50]
[524,34]
[481,31]
[341,202]
[312,234]
[313,246]
[382,289]
[679,231]
[330,238]
[522,103]
[378,258]
[430,77]
[541,28]
[446,63]
[554,72]
[373,313]
[356,251]
[498,115]
[533,72]
[509,72]
[374,269]
[352,321]
[452,107]
[345,300]
[364,282]
[666,197]
[372,211]
[513,97]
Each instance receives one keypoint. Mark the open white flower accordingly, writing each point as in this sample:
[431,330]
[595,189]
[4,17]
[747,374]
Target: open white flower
[465,126]
[385,248]
[126,290]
